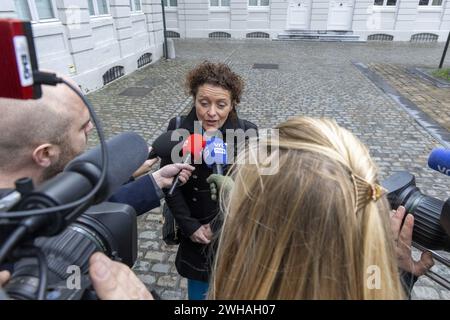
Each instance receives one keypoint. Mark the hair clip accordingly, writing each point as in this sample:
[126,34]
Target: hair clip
[377,192]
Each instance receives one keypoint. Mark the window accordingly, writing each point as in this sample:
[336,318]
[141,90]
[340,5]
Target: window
[135,5]
[386,3]
[430,2]
[98,7]
[35,10]
[219,3]
[257,3]
[170,3]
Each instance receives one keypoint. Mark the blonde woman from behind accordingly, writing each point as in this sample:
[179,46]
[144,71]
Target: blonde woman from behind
[317,229]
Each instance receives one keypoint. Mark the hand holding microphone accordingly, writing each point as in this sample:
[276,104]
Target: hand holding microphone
[164,176]
[192,149]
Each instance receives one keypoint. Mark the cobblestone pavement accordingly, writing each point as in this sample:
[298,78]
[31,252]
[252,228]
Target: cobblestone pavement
[315,79]
[432,100]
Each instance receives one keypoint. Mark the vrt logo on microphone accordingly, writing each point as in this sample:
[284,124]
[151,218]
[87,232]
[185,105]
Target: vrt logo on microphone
[259,148]
[219,149]
[443,170]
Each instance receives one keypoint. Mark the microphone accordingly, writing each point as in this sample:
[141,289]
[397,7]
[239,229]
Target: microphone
[126,151]
[439,160]
[192,148]
[163,145]
[215,154]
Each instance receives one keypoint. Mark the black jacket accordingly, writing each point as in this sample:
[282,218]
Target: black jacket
[191,205]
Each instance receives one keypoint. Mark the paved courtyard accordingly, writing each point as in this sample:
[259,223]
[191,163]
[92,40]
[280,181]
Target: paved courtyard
[314,79]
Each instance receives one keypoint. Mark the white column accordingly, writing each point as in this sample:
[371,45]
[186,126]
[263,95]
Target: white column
[196,15]
[407,12]
[153,18]
[445,22]
[362,15]
[120,11]
[7,9]
[239,15]
[319,14]
[74,16]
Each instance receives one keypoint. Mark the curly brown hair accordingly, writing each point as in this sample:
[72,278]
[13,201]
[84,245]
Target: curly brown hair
[217,74]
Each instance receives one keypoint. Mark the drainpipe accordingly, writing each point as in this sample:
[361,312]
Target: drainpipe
[445,51]
[166,55]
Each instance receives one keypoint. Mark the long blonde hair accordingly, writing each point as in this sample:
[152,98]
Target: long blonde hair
[308,231]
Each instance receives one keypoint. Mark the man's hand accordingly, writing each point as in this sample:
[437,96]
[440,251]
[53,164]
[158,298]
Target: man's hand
[164,176]
[403,241]
[115,281]
[217,182]
[4,277]
[146,166]
[202,235]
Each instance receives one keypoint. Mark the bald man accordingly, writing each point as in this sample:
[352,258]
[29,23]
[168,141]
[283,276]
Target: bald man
[39,137]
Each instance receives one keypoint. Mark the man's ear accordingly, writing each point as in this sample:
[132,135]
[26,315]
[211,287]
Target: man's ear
[46,154]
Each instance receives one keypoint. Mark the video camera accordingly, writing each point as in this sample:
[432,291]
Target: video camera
[66,238]
[50,232]
[431,215]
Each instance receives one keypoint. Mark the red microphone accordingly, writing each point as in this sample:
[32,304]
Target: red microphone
[192,148]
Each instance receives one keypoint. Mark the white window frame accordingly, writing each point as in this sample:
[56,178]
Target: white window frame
[384,5]
[34,13]
[259,5]
[133,6]
[220,6]
[169,6]
[95,6]
[430,5]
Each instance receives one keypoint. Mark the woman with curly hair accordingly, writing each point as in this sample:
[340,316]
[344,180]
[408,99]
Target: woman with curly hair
[216,91]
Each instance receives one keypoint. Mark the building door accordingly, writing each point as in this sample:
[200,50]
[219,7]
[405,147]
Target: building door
[340,15]
[299,15]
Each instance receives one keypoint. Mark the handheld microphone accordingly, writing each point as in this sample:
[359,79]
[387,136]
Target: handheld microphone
[439,160]
[18,60]
[215,154]
[163,145]
[127,151]
[192,148]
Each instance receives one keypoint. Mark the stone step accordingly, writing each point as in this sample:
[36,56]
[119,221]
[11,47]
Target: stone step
[327,32]
[319,37]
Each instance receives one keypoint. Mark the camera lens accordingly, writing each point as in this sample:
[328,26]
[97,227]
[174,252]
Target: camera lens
[402,190]
[108,227]
[72,247]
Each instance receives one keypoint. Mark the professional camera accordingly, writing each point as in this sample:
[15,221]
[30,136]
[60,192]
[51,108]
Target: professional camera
[431,215]
[57,225]
[109,228]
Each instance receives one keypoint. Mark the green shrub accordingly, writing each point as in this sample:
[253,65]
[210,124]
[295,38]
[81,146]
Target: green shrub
[442,73]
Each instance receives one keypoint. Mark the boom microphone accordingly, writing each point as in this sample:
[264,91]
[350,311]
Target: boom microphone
[126,151]
[163,145]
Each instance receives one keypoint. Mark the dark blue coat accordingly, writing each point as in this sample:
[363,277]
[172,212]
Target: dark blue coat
[141,194]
